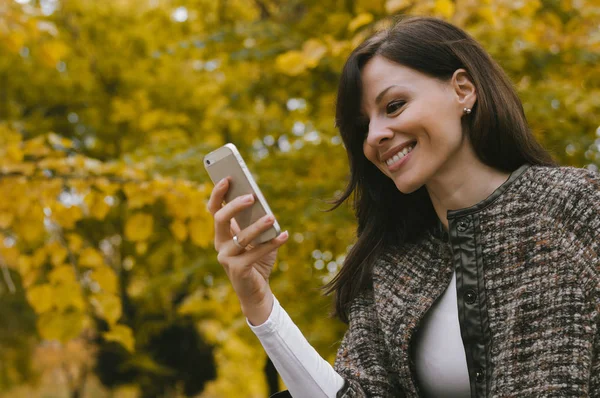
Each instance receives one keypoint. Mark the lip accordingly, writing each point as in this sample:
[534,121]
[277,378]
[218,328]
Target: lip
[396,166]
[388,154]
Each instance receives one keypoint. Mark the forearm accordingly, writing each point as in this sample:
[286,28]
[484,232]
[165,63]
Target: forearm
[304,371]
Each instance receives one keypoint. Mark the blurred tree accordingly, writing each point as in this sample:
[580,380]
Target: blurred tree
[17,336]
[98,219]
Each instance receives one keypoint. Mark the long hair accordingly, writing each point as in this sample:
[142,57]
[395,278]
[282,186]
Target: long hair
[497,129]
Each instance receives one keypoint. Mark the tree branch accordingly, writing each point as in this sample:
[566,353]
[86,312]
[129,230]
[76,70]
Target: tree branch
[7,278]
[264,11]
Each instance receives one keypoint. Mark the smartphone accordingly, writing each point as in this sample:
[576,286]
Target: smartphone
[226,161]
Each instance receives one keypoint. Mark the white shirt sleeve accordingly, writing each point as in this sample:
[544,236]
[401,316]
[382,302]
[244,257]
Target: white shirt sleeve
[305,373]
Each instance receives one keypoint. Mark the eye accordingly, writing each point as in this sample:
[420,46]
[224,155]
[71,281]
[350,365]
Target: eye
[393,106]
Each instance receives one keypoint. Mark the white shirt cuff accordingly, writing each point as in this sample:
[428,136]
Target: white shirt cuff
[304,371]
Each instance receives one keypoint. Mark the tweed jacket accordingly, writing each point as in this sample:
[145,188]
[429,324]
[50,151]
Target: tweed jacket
[527,262]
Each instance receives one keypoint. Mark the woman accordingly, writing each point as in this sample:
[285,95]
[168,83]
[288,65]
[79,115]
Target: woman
[476,271]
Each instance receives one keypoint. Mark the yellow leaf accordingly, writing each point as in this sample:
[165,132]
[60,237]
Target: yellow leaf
[123,110]
[67,216]
[52,52]
[108,307]
[40,298]
[6,220]
[200,232]
[193,304]
[97,205]
[14,153]
[291,63]
[179,230]
[177,205]
[31,227]
[60,142]
[75,242]
[62,275]
[488,15]
[54,325]
[139,227]
[141,248]
[107,187]
[566,5]
[313,50]
[138,195]
[150,120]
[31,277]
[393,6]
[91,258]
[68,295]
[122,335]
[58,253]
[359,21]
[15,40]
[50,190]
[10,255]
[530,7]
[445,8]
[39,257]
[24,264]
[106,278]
[36,147]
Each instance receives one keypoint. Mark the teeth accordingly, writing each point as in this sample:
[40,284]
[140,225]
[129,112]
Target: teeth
[400,155]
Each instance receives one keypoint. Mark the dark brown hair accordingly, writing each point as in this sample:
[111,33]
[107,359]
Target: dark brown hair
[497,129]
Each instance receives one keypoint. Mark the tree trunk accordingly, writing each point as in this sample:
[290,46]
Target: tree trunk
[272,377]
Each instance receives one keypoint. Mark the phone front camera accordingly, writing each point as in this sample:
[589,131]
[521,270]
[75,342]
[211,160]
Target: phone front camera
[208,162]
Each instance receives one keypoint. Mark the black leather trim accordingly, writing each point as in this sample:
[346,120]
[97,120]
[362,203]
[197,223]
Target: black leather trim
[472,312]
[282,394]
[343,390]
[482,302]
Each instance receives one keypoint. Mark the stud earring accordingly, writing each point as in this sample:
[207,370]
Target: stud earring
[466,111]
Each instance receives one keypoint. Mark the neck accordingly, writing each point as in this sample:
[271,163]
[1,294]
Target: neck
[460,187]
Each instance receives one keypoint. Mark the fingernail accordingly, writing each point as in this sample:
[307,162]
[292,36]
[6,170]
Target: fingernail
[222,182]
[268,219]
[284,234]
[248,198]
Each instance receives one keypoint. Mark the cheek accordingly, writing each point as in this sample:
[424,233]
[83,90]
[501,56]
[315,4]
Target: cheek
[371,155]
[369,152]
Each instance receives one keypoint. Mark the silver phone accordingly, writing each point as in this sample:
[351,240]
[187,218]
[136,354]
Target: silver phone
[226,161]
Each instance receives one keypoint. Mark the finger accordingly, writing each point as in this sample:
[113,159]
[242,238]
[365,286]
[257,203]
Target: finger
[215,202]
[234,227]
[224,215]
[252,232]
[252,256]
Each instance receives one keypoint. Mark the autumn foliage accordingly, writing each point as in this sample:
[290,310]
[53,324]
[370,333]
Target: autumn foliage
[106,110]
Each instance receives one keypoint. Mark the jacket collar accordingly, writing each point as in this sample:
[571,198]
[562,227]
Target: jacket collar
[438,229]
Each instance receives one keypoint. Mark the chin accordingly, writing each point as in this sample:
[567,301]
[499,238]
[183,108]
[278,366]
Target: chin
[407,188]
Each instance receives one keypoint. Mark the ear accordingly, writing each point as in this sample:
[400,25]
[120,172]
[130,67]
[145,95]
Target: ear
[466,95]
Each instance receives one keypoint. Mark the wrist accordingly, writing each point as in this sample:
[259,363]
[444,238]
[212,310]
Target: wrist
[258,312]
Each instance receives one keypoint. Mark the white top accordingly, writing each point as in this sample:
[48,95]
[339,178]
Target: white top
[440,359]
[441,364]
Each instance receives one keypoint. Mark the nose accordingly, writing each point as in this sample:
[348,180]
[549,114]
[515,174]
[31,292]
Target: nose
[378,133]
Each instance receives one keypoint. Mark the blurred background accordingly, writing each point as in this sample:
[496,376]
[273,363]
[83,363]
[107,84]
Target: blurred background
[109,284]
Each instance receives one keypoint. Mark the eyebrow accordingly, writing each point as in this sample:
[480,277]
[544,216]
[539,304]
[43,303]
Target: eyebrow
[381,94]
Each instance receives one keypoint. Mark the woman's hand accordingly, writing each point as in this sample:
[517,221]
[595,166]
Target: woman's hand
[248,269]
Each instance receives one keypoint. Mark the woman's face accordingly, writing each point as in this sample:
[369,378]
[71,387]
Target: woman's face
[405,106]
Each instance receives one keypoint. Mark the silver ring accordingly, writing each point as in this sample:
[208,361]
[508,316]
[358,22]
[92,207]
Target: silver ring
[237,242]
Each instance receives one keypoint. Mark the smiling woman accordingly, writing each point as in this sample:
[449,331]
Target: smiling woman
[462,282]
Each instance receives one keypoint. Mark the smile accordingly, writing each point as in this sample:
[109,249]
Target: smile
[400,155]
